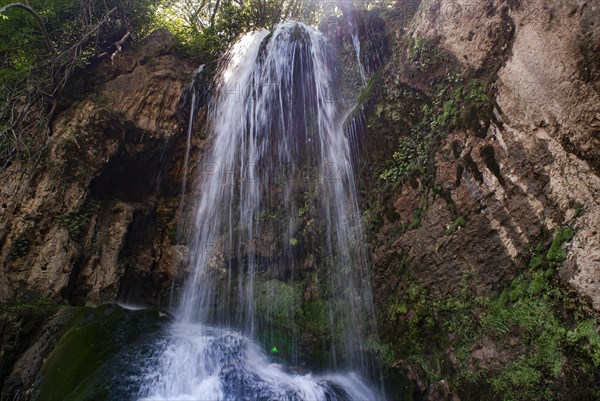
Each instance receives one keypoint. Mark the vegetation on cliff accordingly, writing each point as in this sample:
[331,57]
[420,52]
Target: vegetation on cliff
[510,330]
[519,335]
[46,44]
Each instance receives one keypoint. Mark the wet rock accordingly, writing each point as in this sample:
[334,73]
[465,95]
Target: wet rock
[68,348]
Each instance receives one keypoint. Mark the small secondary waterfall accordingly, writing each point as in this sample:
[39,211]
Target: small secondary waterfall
[279,157]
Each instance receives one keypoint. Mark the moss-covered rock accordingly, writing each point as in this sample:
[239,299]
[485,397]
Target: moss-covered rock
[533,336]
[20,325]
[91,352]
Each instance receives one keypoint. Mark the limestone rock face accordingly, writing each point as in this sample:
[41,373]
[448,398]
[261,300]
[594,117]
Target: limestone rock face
[549,90]
[495,194]
[158,81]
[535,168]
[67,222]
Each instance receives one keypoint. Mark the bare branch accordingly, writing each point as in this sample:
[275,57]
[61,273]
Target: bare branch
[118,45]
[120,42]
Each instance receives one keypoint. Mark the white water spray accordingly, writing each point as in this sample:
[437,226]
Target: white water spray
[277,134]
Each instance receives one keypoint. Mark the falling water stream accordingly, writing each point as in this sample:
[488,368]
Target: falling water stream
[277,134]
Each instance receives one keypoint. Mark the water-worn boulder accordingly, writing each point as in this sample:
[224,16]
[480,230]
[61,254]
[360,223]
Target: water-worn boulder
[70,353]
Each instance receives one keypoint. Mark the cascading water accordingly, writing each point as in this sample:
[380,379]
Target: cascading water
[277,140]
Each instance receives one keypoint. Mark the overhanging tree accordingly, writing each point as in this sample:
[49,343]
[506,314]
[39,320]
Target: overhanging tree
[43,43]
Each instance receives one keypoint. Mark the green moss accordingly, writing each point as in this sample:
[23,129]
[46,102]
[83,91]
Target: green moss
[415,223]
[534,322]
[279,302]
[269,215]
[94,336]
[314,320]
[585,336]
[19,247]
[303,210]
[76,221]
[528,305]
[278,309]
[557,254]
[296,326]
[397,308]
[536,261]
[80,352]
[456,224]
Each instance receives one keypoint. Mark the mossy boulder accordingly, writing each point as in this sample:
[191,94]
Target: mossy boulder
[20,325]
[95,350]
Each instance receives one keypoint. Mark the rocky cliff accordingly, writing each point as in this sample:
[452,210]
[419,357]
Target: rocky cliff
[480,189]
[483,139]
[96,215]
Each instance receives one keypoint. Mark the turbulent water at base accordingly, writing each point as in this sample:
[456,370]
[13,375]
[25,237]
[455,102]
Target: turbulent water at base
[277,130]
[201,363]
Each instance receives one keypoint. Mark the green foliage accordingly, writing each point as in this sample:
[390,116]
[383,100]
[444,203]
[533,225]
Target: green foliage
[382,351]
[75,221]
[425,56]
[411,156]
[303,210]
[459,104]
[586,337]
[556,254]
[456,224]
[533,322]
[528,306]
[19,247]
[266,215]
[453,104]
[205,28]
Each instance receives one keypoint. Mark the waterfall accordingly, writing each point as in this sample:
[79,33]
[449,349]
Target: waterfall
[279,169]
[192,92]
[357,50]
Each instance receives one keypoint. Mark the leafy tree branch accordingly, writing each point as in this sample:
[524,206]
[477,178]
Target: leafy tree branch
[38,21]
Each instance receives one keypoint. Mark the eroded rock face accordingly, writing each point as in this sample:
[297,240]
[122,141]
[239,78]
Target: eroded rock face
[158,81]
[67,223]
[496,193]
[536,166]
[554,119]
